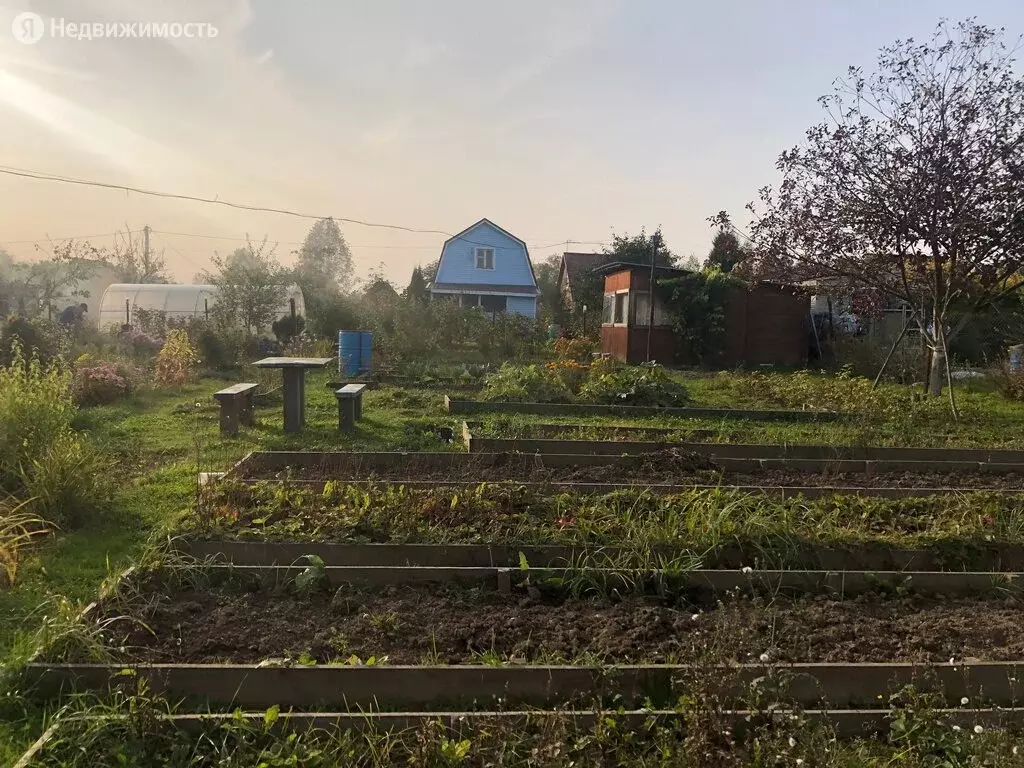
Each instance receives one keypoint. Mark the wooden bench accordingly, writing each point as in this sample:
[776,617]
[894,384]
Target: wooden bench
[350,406]
[236,407]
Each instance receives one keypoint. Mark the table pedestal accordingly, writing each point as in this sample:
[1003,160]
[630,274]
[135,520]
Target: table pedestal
[294,399]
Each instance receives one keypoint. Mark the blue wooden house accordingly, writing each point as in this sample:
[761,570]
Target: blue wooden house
[485,266]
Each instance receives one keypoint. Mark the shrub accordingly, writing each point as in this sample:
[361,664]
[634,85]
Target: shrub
[176,363]
[69,480]
[99,384]
[45,340]
[36,408]
[288,327]
[525,383]
[139,345]
[646,384]
[1009,381]
[581,349]
[570,372]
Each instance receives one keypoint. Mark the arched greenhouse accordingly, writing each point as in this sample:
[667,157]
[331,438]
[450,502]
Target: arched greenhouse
[122,300]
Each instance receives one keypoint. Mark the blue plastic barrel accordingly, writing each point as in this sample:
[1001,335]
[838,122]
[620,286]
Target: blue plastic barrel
[349,350]
[366,351]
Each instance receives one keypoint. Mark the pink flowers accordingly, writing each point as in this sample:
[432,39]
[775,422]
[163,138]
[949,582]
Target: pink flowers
[99,384]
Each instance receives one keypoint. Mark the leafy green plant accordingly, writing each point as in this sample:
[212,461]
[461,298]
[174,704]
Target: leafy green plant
[312,577]
[646,384]
[525,383]
[36,408]
[70,481]
[696,304]
[18,527]
[177,360]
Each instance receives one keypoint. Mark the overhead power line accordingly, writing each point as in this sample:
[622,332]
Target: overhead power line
[44,176]
[210,200]
[48,238]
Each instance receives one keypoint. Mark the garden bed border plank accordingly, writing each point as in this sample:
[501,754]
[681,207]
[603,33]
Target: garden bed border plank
[475,444]
[582,409]
[981,557]
[846,723]
[370,461]
[851,685]
[846,583]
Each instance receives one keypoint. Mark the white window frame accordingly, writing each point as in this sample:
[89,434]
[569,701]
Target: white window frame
[625,309]
[482,251]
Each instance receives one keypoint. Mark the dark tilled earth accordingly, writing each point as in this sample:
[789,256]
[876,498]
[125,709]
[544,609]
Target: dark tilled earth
[416,625]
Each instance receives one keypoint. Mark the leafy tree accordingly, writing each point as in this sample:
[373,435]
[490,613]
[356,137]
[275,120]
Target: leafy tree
[417,290]
[588,288]
[251,285]
[32,287]
[726,251]
[551,300]
[133,263]
[430,271]
[913,184]
[324,261]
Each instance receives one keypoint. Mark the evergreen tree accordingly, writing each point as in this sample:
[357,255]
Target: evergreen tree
[417,290]
[726,251]
[324,261]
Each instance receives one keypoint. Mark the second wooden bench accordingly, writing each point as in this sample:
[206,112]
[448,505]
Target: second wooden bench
[350,406]
[236,407]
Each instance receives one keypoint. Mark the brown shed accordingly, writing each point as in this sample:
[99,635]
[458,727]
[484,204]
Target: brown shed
[766,323]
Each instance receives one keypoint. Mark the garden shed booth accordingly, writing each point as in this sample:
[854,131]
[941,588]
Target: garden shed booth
[762,323]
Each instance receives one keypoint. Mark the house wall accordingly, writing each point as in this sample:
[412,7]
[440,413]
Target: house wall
[523,305]
[458,259]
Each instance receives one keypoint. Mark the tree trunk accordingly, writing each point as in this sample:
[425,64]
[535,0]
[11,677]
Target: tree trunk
[937,374]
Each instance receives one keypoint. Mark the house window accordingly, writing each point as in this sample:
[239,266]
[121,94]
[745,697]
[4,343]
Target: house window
[470,300]
[485,258]
[608,309]
[493,303]
[621,307]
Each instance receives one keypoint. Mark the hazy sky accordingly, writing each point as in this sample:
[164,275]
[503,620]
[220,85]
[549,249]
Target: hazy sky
[557,119]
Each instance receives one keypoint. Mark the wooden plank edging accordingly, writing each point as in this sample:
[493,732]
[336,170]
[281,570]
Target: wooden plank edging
[851,685]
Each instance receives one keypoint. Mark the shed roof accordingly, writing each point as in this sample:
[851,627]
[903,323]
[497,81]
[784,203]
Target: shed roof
[622,266]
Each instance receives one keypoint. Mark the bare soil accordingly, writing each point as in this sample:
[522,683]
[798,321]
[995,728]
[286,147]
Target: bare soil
[450,625]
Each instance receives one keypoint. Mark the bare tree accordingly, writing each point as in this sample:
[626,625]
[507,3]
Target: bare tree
[912,186]
[133,262]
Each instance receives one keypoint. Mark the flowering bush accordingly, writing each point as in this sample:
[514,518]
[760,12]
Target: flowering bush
[140,345]
[177,360]
[99,384]
[580,349]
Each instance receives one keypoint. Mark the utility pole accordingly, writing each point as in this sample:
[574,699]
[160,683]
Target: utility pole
[145,247]
[655,243]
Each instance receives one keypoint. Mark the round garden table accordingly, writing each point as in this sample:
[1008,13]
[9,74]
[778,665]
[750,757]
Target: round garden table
[293,372]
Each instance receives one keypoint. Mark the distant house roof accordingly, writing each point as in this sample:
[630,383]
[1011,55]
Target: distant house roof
[574,264]
[483,288]
[504,231]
